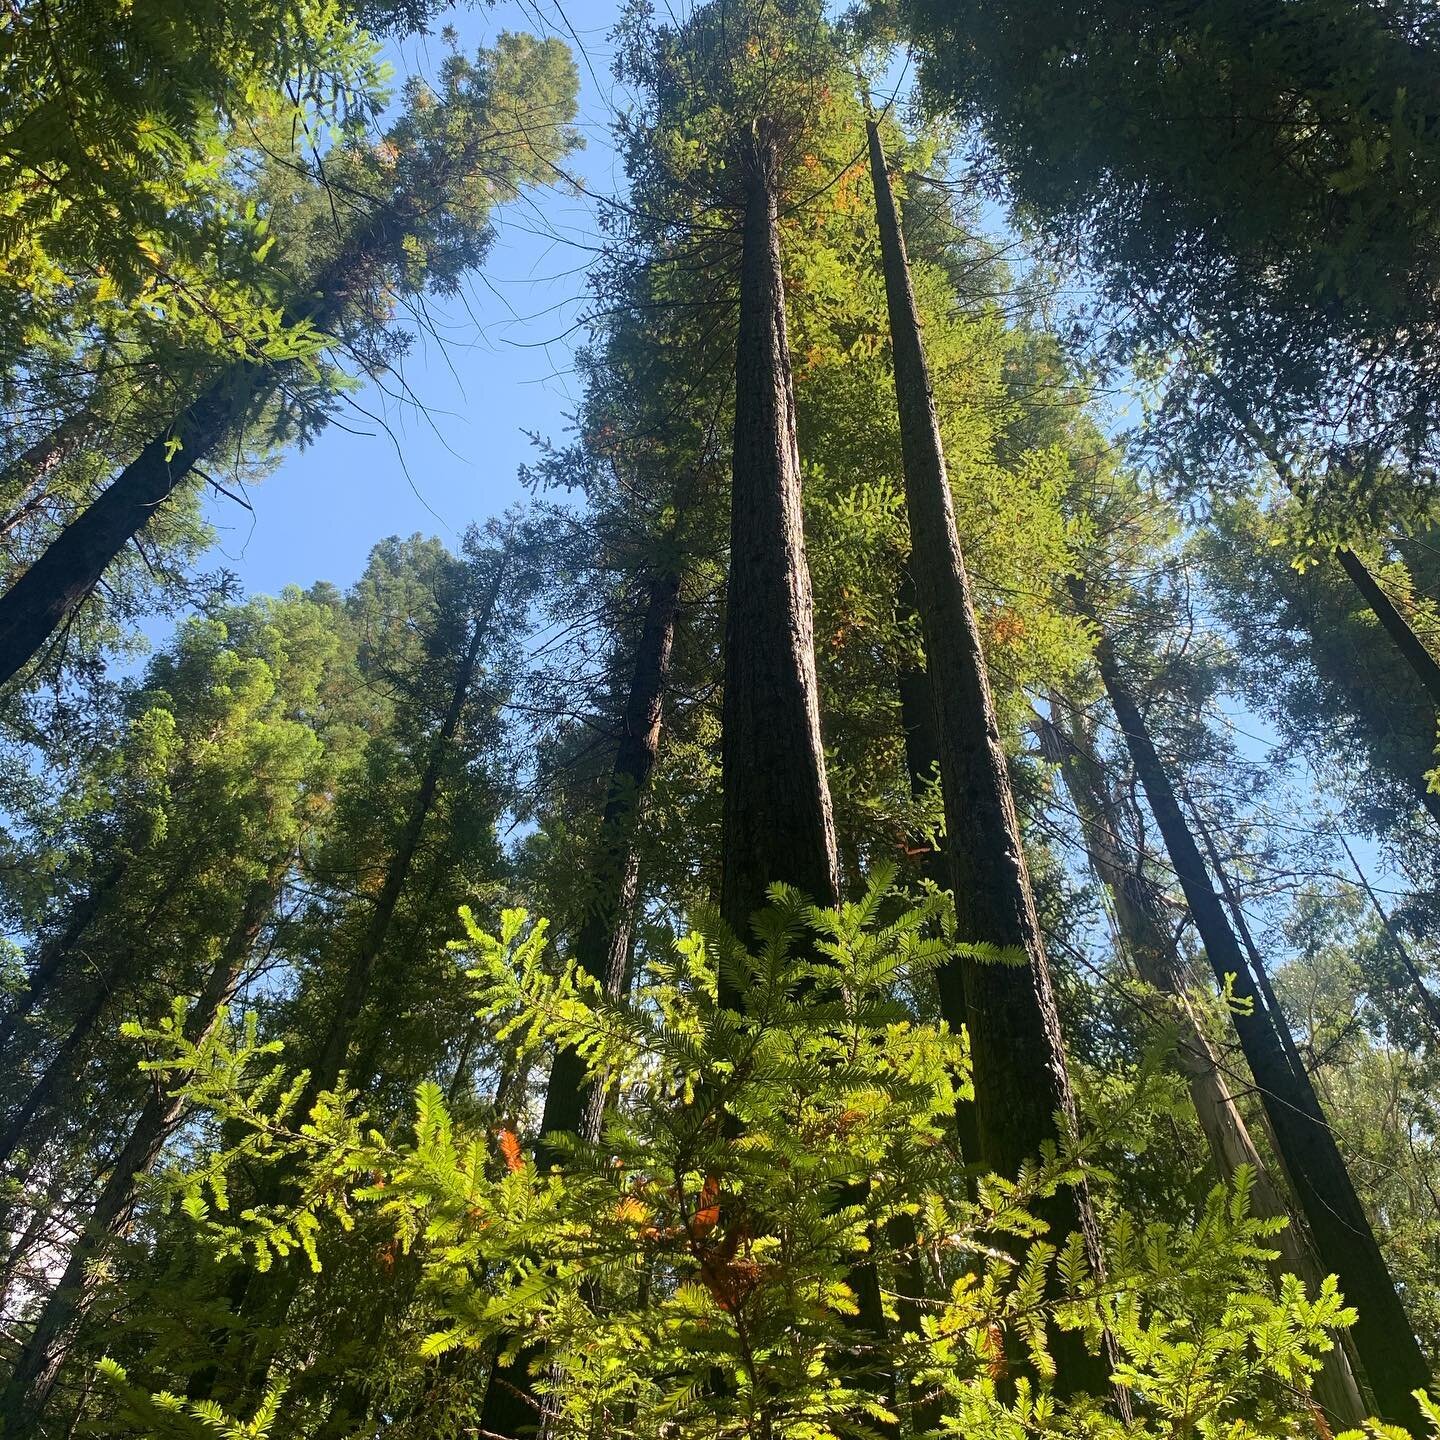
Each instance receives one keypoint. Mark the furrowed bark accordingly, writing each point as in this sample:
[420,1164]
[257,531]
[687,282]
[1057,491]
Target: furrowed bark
[922,762]
[602,946]
[1344,1242]
[43,1356]
[1022,1087]
[777,822]
[1149,942]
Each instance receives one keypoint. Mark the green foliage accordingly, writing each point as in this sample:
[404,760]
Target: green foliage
[693,1272]
[1255,178]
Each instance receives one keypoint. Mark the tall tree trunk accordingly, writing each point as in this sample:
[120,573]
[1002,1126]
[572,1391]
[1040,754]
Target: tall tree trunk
[40,601]
[1429,1004]
[1149,942]
[40,1361]
[45,1089]
[777,822]
[922,762]
[1021,1082]
[360,973]
[1422,663]
[19,479]
[44,597]
[602,946]
[777,819]
[1344,1242]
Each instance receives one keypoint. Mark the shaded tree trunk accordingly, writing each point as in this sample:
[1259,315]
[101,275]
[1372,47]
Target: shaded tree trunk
[602,946]
[43,1355]
[777,822]
[1344,1242]
[43,1092]
[53,955]
[361,971]
[1022,1087]
[1149,942]
[1417,656]
[45,596]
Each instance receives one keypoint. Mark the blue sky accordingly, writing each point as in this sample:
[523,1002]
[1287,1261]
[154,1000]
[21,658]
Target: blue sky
[502,368]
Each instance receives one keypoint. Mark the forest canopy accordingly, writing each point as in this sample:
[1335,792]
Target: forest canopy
[882,883]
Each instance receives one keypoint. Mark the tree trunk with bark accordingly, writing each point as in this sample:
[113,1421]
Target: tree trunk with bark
[50,590]
[777,819]
[53,955]
[1150,944]
[602,946]
[777,822]
[360,973]
[41,1359]
[1344,1242]
[40,601]
[1022,1087]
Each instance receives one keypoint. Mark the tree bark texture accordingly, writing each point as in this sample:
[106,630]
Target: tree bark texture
[1022,1087]
[53,955]
[777,819]
[1344,1242]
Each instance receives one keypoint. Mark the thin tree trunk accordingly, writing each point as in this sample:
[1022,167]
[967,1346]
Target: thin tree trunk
[250,1364]
[1429,1004]
[56,1073]
[40,1361]
[602,946]
[1344,1241]
[31,466]
[53,955]
[358,976]
[1422,663]
[1021,1083]
[1149,943]
[777,820]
